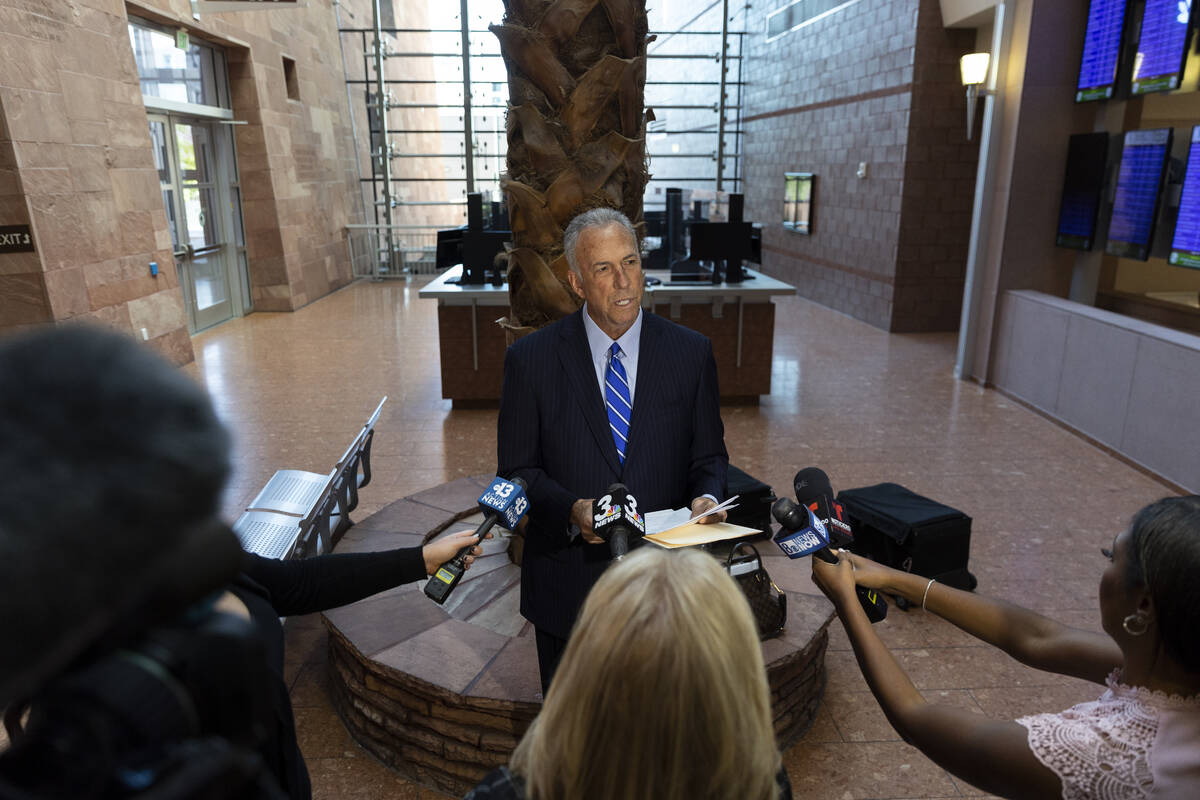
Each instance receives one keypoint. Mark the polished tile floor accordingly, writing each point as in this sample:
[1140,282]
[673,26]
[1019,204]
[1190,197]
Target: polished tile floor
[863,405]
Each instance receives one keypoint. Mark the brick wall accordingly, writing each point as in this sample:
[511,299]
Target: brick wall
[939,183]
[871,83]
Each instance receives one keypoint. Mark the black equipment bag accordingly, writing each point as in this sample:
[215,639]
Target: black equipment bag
[902,529]
[754,501]
[767,601]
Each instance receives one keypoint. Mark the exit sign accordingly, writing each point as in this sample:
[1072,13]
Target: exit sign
[15,239]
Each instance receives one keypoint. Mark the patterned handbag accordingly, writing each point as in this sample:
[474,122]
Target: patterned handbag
[768,603]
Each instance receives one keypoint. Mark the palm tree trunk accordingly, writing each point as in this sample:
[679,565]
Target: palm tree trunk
[576,135]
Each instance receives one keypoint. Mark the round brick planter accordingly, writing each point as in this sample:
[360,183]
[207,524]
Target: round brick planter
[444,693]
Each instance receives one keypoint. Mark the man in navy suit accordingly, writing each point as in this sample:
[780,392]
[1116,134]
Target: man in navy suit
[606,394]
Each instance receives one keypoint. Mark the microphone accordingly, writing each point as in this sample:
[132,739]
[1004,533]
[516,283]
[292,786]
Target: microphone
[503,501]
[804,533]
[814,491]
[616,520]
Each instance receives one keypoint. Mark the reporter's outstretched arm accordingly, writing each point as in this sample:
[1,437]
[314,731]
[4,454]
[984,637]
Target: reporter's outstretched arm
[1027,636]
[991,754]
[337,579]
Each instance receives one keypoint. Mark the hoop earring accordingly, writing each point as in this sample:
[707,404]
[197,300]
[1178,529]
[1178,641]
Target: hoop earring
[1138,619]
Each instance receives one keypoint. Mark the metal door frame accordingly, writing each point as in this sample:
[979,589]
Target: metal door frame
[197,319]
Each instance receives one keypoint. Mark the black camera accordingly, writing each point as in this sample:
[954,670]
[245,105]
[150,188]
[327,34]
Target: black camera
[180,712]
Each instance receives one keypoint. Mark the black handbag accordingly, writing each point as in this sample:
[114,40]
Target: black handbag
[768,603]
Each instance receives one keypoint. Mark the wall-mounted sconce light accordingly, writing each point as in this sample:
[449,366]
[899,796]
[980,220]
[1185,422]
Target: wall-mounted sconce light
[974,70]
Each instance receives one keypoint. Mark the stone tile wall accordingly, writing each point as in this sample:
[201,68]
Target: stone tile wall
[296,158]
[869,83]
[23,298]
[77,166]
[76,162]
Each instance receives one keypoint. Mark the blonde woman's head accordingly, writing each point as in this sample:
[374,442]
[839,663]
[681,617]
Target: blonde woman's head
[661,692]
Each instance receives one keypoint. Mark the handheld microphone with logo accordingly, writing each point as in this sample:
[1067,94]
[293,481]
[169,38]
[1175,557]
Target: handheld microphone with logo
[503,501]
[803,534]
[616,520]
[814,491]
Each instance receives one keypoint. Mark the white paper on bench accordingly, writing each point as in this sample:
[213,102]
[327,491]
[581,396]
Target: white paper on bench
[292,491]
[266,534]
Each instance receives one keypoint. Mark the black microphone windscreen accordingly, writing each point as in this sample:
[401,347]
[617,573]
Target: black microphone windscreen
[810,484]
[788,514]
[113,463]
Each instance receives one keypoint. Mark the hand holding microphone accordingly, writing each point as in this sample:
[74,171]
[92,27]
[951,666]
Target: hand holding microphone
[836,580]
[503,501]
[805,533]
[616,520]
[814,491]
[445,548]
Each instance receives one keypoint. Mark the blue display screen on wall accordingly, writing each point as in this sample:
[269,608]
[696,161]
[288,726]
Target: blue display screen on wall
[1162,46]
[1101,50]
[1082,188]
[1139,184]
[1185,246]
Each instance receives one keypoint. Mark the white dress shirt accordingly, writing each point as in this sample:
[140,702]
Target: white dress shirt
[599,344]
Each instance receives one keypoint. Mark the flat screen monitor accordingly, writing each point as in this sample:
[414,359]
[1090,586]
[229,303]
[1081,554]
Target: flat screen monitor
[656,222]
[1162,47]
[1139,185]
[1185,245]
[449,247]
[495,215]
[1082,188]
[1101,50]
[479,249]
[719,241]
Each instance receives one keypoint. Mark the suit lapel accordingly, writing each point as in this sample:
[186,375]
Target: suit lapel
[649,378]
[576,359]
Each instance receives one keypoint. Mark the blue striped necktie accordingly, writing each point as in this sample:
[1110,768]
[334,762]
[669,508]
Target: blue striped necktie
[618,400]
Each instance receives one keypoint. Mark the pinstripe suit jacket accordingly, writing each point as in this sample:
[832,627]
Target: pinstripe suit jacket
[554,433]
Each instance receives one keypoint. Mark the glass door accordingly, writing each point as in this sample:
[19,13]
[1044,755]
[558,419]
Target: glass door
[186,154]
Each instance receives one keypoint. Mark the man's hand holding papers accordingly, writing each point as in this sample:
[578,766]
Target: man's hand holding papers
[680,527]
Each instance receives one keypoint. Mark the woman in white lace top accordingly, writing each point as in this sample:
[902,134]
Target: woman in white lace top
[1140,739]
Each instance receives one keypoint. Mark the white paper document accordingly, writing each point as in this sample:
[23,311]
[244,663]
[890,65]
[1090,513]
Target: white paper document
[678,528]
[665,520]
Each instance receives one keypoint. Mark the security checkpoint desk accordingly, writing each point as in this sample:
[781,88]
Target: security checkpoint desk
[739,319]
